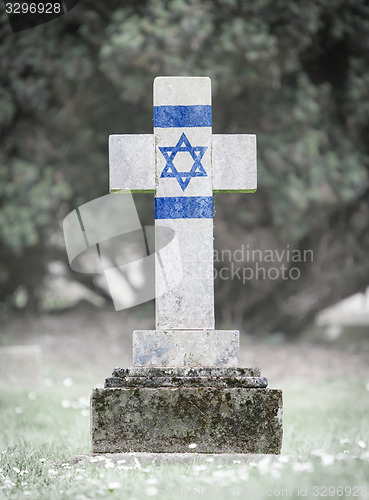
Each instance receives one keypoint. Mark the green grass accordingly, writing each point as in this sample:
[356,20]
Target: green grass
[323,424]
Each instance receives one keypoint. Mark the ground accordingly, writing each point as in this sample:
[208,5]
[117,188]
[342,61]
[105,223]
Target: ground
[326,407]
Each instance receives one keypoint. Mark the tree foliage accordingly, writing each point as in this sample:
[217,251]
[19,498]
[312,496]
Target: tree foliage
[294,73]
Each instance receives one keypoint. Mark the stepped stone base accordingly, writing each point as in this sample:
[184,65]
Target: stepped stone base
[161,410]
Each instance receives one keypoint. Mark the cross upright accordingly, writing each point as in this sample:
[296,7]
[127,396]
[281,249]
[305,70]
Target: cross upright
[183,164]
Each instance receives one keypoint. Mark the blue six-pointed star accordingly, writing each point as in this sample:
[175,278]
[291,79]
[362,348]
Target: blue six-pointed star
[196,152]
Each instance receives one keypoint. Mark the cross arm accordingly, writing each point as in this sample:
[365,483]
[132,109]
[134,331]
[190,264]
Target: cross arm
[132,163]
[234,162]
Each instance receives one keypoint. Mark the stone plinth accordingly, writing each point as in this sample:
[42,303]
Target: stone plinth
[221,410]
[185,347]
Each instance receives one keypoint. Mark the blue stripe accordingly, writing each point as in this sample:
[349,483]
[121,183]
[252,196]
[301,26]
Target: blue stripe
[182,116]
[184,207]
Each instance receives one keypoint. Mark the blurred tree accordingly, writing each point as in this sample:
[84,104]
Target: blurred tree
[296,74]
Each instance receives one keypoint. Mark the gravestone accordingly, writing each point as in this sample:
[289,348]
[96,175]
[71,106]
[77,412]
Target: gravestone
[185,386]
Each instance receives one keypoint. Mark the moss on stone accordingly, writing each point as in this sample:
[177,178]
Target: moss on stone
[218,420]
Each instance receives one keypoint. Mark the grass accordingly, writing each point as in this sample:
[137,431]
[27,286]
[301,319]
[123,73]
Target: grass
[325,451]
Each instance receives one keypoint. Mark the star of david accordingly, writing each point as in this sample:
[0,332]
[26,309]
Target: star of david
[196,152]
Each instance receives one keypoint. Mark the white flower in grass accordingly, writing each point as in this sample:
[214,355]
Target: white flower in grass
[94,459]
[277,465]
[303,467]
[8,483]
[85,413]
[52,472]
[341,456]
[32,396]
[218,473]
[344,440]
[225,474]
[318,453]
[67,382]
[327,460]
[18,410]
[264,464]
[275,473]
[361,444]
[42,460]
[243,474]
[199,467]
[192,446]
[210,459]
[26,492]
[65,403]
[114,485]
[48,382]
[152,480]
[121,461]
[152,491]
[15,469]
[109,465]
[367,386]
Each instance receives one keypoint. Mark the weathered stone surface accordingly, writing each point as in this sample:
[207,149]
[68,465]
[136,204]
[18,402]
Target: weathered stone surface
[184,183]
[181,371]
[132,162]
[237,420]
[168,89]
[190,305]
[185,347]
[234,162]
[186,377]
[255,382]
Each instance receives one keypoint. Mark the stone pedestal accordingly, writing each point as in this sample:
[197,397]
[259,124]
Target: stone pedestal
[186,347]
[163,409]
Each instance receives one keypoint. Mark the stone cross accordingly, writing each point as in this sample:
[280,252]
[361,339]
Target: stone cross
[183,163]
